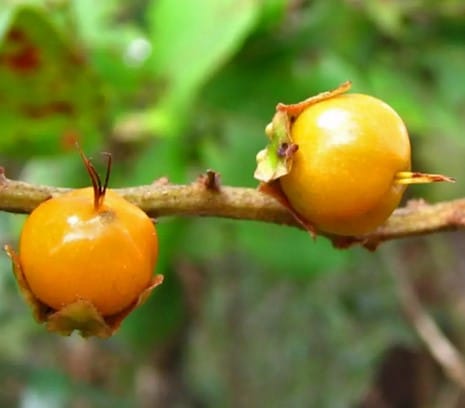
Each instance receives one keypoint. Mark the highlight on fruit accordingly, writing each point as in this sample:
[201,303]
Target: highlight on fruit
[86,259]
[340,162]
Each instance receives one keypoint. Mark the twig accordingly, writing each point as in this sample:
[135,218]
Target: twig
[442,350]
[198,199]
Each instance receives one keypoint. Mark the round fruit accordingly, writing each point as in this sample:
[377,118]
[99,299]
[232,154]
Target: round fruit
[89,244]
[343,176]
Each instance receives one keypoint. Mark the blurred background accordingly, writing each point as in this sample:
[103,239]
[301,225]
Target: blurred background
[250,314]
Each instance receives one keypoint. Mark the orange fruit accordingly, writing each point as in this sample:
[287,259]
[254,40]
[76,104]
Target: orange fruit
[351,147]
[88,244]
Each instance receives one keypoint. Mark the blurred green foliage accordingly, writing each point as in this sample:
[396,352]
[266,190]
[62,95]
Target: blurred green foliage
[257,314]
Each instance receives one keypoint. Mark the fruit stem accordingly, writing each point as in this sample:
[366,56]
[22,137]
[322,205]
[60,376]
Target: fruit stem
[409,177]
[99,188]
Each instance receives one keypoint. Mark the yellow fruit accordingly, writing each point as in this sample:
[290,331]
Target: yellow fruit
[343,175]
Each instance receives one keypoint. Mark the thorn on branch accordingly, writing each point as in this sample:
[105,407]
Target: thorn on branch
[3,179]
[211,180]
[162,181]
[416,203]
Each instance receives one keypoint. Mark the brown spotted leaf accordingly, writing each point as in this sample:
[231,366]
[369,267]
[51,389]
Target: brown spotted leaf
[47,90]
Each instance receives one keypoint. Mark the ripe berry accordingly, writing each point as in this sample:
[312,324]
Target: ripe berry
[340,162]
[88,244]
[343,177]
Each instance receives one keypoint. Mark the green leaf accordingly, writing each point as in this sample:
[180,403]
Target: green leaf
[193,39]
[49,96]
[93,20]
[288,251]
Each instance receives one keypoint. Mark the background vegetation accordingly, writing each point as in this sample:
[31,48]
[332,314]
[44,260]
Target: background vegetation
[249,314]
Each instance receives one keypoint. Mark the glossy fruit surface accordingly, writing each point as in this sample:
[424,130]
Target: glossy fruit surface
[72,250]
[350,148]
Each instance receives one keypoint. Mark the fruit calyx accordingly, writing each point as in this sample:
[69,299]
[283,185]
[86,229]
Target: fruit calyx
[415,177]
[80,315]
[275,160]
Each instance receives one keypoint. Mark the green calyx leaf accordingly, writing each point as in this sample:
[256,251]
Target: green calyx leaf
[275,160]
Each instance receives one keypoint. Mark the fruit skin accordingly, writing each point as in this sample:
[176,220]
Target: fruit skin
[71,251]
[350,148]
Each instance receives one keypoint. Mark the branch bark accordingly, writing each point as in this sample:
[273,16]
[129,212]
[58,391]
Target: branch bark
[204,197]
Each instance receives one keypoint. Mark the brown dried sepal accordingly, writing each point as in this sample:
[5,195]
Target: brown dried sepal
[274,190]
[343,242]
[295,109]
[415,177]
[80,315]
